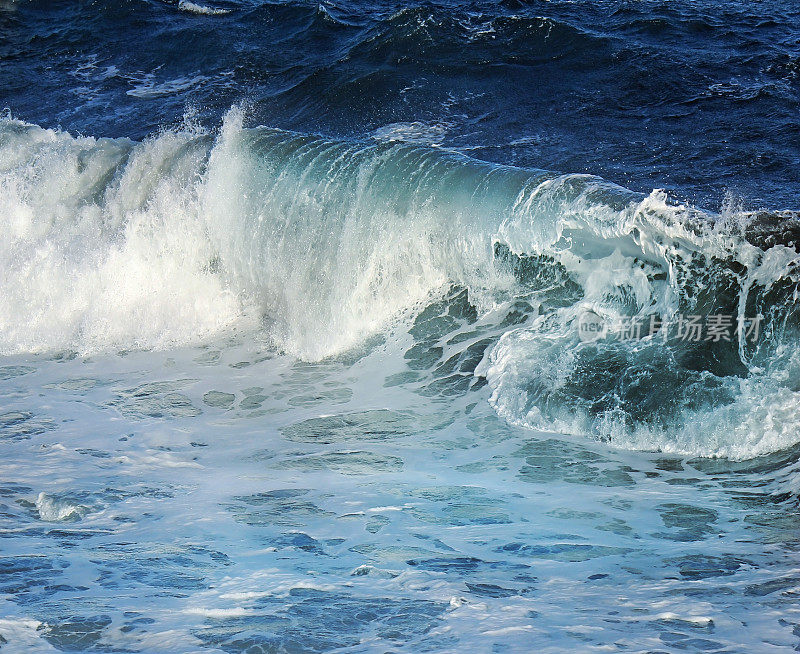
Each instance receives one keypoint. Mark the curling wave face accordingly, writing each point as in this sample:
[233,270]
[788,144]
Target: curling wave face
[323,244]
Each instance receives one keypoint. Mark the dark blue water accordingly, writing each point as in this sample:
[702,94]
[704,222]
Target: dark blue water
[699,98]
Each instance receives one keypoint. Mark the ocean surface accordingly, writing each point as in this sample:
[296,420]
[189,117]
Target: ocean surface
[367,326]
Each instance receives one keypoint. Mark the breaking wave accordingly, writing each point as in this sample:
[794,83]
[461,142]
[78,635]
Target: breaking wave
[320,244]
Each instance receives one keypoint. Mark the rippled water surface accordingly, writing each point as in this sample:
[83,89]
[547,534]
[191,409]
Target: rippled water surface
[227,499]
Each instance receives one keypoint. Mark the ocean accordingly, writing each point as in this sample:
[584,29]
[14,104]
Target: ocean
[385,327]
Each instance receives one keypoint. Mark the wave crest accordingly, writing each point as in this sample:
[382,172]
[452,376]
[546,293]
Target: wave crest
[116,244]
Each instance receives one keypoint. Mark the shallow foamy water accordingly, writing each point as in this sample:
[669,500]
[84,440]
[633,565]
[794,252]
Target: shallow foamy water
[229,499]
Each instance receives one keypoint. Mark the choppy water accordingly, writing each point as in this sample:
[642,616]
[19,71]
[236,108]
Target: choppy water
[289,311]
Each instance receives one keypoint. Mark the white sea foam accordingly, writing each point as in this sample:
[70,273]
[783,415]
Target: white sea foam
[763,419]
[54,509]
[23,635]
[104,244]
[203,10]
[414,132]
[149,88]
